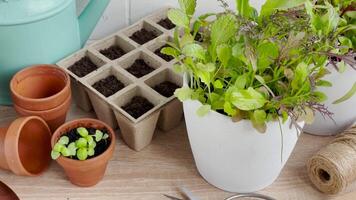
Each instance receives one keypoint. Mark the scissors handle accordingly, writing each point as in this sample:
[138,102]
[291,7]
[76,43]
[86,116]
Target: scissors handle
[254,195]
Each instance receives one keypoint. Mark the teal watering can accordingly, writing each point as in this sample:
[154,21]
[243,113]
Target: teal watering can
[42,31]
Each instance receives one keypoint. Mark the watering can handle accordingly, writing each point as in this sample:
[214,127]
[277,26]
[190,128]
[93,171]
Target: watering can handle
[89,12]
[81,5]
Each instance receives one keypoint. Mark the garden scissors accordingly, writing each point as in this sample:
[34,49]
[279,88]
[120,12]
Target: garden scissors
[190,196]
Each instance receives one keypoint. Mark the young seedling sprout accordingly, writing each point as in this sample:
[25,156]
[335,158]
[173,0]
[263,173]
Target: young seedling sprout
[82,148]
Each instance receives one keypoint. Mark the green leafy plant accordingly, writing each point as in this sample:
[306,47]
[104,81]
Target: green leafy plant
[261,67]
[82,148]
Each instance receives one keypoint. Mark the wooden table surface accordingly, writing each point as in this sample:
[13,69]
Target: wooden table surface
[160,168]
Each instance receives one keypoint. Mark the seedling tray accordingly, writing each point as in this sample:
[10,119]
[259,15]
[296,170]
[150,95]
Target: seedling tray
[166,113]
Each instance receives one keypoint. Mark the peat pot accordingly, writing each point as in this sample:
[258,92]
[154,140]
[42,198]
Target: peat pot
[344,113]
[233,156]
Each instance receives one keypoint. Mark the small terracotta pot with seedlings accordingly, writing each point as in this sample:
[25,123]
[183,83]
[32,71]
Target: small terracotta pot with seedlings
[83,148]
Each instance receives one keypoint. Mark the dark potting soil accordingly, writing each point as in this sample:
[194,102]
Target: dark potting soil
[100,147]
[164,56]
[138,106]
[198,37]
[142,36]
[140,68]
[113,52]
[166,23]
[108,86]
[83,67]
[166,88]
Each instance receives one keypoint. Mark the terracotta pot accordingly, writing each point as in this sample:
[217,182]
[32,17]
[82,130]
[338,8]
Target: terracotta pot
[40,87]
[6,193]
[54,117]
[88,172]
[25,146]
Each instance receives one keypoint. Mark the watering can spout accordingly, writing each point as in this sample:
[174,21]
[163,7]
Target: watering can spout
[89,17]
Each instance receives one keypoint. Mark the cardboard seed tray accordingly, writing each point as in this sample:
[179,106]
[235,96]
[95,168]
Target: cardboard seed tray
[167,112]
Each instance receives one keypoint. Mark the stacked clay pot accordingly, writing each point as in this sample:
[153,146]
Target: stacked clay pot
[44,91]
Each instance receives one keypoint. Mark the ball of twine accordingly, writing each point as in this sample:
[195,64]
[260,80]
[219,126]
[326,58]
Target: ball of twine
[333,169]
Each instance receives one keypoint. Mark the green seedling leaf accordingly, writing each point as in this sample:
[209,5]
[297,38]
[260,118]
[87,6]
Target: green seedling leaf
[320,96]
[241,81]
[82,154]
[271,5]
[331,18]
[65,152]
[170,51]
[58,147]
[179,18]
[64,140]
[82,131]
[301,74]
[72,149]
[91,152]
[209,67]
[258,119]
[248,99]
[203,110]
[55,155]
[267,52]
[184,93]
[81,142]
[92,144]
[89,138]
[178,68]
[218,84]
[260,116]
[223,29]
[263,82]
[323,83]
[341,66]
[229,109]
[347,96]
[105,136]
[188,6]
[98,135]
[244,9]
[195,51]
[186,39]
[285,116]
[345,42]
[224,53]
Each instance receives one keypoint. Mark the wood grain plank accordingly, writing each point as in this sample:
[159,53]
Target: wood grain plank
[160,169]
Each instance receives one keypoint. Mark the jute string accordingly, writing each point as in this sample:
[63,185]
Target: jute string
[333,169]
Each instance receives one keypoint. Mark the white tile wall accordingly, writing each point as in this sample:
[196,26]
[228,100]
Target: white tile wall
[121,13]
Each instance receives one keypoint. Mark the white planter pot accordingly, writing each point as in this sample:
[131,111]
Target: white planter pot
[344,113]
[234,156]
